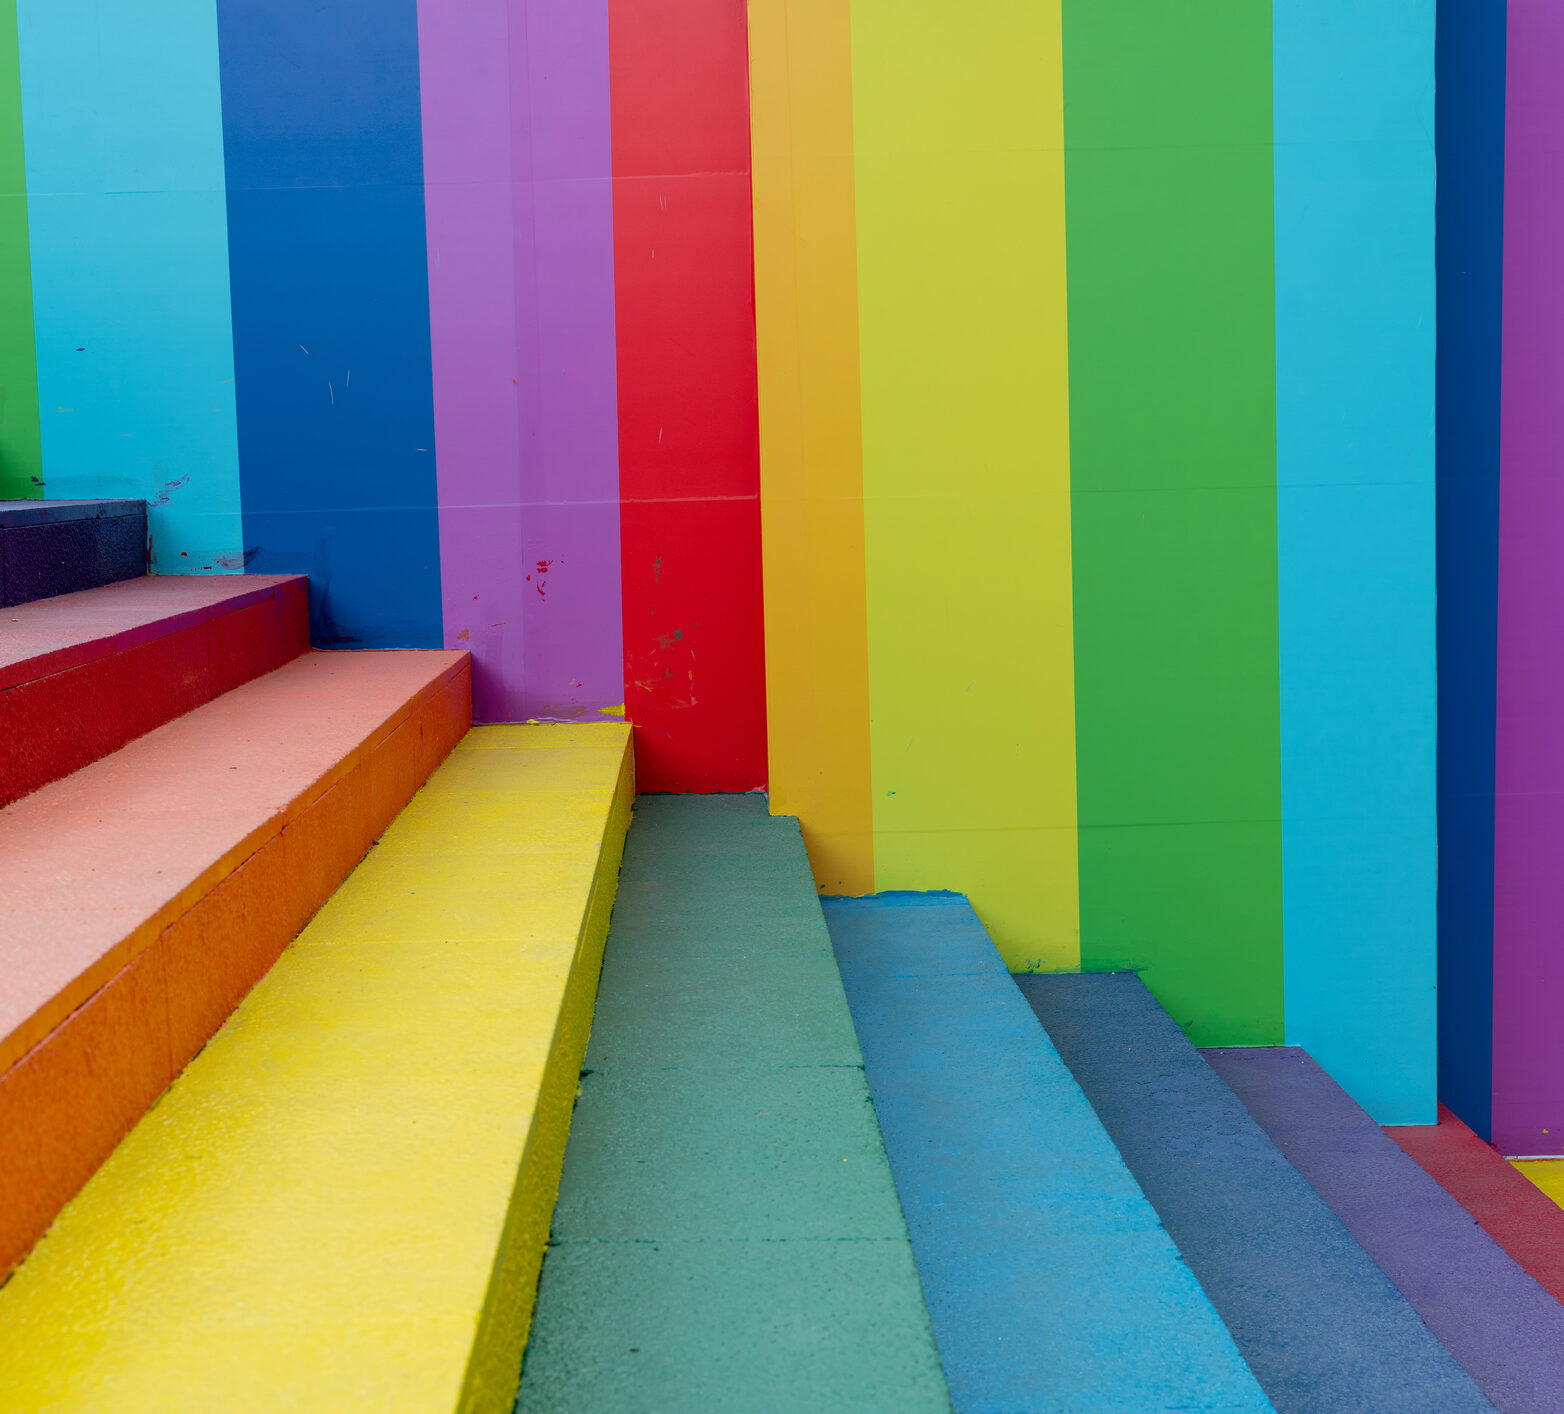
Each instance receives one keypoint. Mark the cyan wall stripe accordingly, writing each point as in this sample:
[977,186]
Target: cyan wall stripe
[123,131]
[1355,318]
[1469,69]
[321,123]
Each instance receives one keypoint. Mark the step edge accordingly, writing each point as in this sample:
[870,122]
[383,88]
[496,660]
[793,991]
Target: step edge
[55,1011]
[291,930]
[91,650]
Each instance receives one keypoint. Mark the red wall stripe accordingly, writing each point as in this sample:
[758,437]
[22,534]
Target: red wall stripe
[689,449]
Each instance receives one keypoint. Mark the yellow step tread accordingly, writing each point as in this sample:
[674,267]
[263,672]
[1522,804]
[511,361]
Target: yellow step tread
[324,1211]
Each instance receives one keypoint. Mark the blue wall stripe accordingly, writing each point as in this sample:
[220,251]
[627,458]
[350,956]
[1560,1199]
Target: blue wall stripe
[321,128]
[1469,128]
[1355,317]
[123,131]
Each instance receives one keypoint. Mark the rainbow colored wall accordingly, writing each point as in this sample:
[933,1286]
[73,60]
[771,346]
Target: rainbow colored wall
[1501,636]
[1028,475]
[1097,376]
[434,302]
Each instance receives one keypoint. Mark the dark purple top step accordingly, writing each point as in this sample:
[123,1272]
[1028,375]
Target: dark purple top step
[47,512]
[58,547]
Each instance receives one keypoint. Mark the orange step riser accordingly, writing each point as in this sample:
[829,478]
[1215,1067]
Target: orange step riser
[76,1094]
[56,724]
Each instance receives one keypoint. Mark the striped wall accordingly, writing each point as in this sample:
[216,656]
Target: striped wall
[1005,431]
[128,234]
[447,305]
[1501,522]
[1096,367]
[689,473]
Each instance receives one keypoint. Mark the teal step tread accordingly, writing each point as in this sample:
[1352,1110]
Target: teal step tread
[727,1235]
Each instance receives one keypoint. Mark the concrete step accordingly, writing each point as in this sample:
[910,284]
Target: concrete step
[84,673]
[146,893]
[1051,1284]
[1322,1327]
[56,547]
[727,1236]
[341,1204]
[1522,1219]
[1507,1332]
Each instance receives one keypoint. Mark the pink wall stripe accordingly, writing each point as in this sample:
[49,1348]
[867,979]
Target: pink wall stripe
[1529,764]
[519,208]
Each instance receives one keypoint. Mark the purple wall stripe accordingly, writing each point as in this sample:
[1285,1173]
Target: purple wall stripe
[517,169]
[1529,758]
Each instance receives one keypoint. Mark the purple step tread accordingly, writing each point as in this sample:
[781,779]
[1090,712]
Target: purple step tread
[1506,1331]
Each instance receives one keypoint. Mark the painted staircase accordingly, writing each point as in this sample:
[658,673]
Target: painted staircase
[255,1150]
[727,1235]
[1347,1278]
[296,988]
[1050,1281]
[187,785]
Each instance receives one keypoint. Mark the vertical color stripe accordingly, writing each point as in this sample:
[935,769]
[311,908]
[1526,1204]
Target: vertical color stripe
[321,126]
[1173,456]
[811,448]
[960,193]
[21,461]
[520,226]
[1469,138]
[1354,93]
[130,266]
[1528,983]
[689,473]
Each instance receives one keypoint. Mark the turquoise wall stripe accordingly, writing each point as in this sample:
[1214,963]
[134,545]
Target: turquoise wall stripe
[1354,115]
[122,121]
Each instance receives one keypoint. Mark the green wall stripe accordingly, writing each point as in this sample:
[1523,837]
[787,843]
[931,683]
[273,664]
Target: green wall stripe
[1173,479]
[21,457]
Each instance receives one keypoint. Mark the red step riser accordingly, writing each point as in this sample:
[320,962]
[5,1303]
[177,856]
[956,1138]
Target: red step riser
[53,725]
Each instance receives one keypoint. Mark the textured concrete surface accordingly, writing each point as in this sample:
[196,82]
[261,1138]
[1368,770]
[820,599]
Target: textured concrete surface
[727,1235]
[1322,1327]
[1051,1284]
[83,674]
[143,895]
[1504,1328]
[342,1203]
[1521,1218]
[57,547]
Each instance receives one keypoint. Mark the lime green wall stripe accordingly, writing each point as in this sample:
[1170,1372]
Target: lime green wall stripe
[21,460]
[1173,478]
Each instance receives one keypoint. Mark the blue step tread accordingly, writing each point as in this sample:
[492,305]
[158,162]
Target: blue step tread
[1322,1327]
[1505,1330]
[1050,1282]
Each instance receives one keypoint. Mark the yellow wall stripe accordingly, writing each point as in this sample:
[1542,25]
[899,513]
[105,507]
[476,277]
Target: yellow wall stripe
[959,154]
[806,299]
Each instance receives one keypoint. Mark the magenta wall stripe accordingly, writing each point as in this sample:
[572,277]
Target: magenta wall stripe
[520,219]
[1529,758]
